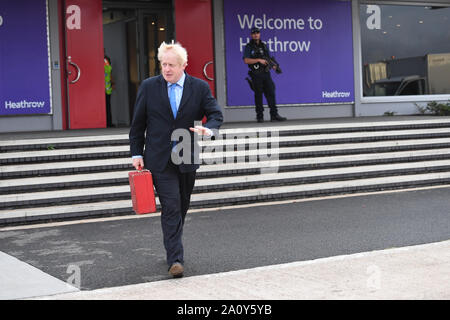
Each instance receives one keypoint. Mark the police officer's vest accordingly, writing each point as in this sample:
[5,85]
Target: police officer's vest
[108,69]
[259,51]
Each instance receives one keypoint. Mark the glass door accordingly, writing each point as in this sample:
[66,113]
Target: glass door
[131,39]
[153,31]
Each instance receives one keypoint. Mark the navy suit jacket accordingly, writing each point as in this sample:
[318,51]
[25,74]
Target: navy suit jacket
[153,121]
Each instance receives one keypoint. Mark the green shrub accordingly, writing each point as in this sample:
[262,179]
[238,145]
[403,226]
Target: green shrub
[435,108]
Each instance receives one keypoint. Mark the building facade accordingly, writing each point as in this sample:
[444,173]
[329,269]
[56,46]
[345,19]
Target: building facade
[338,58]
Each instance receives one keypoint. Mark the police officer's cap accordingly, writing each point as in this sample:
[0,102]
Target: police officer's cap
[254,30]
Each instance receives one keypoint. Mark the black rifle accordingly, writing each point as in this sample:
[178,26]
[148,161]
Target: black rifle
[271,62]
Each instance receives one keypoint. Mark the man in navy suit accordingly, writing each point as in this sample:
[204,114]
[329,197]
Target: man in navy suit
[166,104]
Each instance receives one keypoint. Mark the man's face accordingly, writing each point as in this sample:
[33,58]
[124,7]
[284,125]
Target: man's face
[172,70]
[256,35]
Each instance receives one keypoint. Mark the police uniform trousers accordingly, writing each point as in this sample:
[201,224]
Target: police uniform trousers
[263,84]
[174,190]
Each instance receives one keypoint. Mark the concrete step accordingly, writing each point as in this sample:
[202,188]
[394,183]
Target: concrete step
[217,153]
[122,189]
[43,148]
[64,154]
[218,199]
[220,156]
[81,210]
[319,189]
[72,177]
[265,137]
[8,186]
[62,143]
[288,129]
[319,175]
[261,142]
[65,181]
[309,163]
[62,169]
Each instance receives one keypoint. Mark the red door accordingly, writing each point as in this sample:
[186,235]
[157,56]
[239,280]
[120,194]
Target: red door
[84,64]
[193,21]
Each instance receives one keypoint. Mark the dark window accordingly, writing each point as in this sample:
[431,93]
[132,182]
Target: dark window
[405,49]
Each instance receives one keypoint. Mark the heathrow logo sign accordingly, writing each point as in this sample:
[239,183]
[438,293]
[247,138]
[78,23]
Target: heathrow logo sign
[311,39]
[24,58]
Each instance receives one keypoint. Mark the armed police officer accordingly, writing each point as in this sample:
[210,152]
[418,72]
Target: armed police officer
[257,57]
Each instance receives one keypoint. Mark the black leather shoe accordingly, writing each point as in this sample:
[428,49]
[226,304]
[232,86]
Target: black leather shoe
[260,120]
[277,118]
[176,270]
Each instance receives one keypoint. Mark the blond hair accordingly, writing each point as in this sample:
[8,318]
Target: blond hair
[176,48]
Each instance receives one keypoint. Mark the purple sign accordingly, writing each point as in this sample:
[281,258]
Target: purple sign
[24,60]
[311,39]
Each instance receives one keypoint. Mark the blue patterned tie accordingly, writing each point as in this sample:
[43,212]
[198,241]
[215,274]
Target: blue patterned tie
[173,100]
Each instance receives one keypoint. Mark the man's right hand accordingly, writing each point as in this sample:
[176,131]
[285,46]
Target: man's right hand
[263,61]
[138,163]
[254,60]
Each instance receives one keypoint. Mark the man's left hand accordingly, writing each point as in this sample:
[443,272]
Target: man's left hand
[203,131]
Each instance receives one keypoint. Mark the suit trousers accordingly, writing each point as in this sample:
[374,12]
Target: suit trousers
[174,189]
[263,83]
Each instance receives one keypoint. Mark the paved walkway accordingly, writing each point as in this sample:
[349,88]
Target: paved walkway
[19,280]
[416,272]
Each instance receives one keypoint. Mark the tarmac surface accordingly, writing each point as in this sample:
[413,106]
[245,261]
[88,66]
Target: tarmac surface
[387,245]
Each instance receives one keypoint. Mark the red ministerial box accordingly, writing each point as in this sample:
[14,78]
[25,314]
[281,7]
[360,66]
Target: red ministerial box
[142,193]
